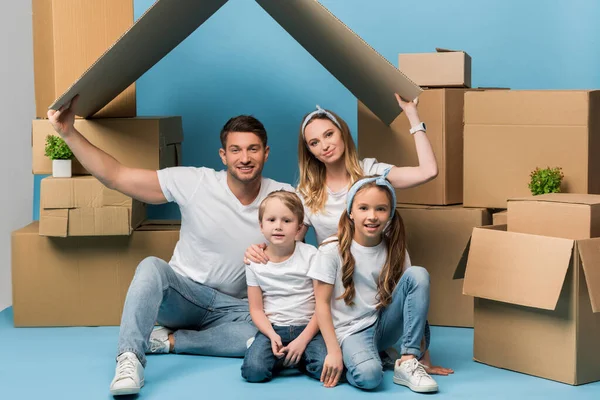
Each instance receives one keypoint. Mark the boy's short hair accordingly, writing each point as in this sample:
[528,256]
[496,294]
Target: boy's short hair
[289,199]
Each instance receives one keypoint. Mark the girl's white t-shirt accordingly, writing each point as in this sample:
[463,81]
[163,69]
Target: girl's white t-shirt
[327,267]
[326,221]
[288,295]
[216,229]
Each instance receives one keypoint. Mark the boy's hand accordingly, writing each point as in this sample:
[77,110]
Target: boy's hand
[276,346]
[294,351]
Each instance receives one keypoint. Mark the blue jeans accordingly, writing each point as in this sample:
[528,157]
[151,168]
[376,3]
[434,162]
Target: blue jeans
[405,317]
[260,362]
[206,322]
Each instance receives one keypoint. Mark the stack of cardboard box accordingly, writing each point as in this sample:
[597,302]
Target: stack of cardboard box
[438,227]
[74,266]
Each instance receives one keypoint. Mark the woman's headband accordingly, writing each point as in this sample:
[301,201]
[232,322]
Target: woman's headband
[319,111]
[380,181]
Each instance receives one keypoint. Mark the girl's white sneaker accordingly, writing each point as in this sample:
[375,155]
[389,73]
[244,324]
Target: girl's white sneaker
[411,373]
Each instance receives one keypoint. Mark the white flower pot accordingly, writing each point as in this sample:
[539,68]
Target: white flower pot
[61,168]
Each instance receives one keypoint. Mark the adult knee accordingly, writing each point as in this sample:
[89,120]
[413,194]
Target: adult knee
[368,374]
[151,269]
[255,372]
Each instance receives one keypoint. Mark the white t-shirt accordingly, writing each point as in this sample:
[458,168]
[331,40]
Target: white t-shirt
[216,229]
[326,221]
[288,295]
[327,267]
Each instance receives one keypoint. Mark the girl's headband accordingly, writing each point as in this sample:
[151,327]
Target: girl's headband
[319,111]
[380,181]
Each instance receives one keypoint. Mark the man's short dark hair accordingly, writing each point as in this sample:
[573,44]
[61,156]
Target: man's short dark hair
[244,123]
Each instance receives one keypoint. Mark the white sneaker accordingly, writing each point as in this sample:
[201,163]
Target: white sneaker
[159,341]
[129,376]
[249,342]
[412,373]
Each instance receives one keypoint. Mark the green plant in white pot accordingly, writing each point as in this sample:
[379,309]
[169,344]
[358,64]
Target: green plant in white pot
[60,154]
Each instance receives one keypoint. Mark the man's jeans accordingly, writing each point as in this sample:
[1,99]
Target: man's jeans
[405,316]
[260,362]
[206,322]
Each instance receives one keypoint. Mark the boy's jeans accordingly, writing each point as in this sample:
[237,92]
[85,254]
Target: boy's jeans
[206,322]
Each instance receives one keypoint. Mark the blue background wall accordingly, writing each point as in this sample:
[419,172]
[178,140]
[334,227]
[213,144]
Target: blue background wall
[242,62]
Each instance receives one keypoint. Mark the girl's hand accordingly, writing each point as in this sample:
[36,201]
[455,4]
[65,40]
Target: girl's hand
[332,369]
[431,369]
[410,109]
[294,351]
[256,254]
[277,346]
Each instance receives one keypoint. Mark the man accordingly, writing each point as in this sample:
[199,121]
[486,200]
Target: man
[199,294]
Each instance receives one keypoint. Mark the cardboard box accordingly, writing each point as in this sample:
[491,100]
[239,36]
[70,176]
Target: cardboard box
[537,303]
[508,133]
[363,71]
[565,215]
[68,36]
[442,110]
[500,218]
[445,68]
[80,281]
[83,206]
[436,238]
[156,141]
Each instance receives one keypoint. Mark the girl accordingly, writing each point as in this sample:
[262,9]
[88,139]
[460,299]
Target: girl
[281,296]
[368,296]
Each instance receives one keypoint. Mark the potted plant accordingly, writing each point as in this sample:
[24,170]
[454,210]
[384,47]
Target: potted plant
[546,180]
[60,154]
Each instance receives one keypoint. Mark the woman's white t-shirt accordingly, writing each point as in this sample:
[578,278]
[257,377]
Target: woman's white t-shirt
[288,295]
[326,221]
[327,267]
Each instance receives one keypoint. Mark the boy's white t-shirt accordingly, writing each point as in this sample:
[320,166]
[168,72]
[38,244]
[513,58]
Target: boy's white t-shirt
[288,295]
[327,267]
[216,229]
[325,222]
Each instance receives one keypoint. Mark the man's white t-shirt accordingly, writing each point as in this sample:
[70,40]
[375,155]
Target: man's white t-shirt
[216,228]
[288,295]
[326,221]
[327,267]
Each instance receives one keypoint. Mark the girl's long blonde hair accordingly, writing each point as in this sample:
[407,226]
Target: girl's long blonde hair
[395,243]
[311,184]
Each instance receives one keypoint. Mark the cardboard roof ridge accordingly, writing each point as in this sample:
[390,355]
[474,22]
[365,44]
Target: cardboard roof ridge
[565,198]
[368,76]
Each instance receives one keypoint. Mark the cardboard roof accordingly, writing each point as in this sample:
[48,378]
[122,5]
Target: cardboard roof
[361,69]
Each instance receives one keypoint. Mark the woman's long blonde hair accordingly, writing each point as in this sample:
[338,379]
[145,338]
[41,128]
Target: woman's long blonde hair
[311,184]
[395,243]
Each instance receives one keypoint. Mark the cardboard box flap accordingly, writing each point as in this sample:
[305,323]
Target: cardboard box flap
[158,31]
[459,273]
[589,251]
[54,223]
[361,69]
[517,268]
[571,198]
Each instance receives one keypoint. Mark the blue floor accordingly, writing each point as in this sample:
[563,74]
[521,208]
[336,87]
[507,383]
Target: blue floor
[78,363]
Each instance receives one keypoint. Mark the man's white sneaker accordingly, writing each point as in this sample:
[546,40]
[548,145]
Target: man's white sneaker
[412,373]
[129,375]
[159,341]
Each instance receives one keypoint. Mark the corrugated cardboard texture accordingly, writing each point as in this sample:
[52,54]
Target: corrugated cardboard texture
[509,334]
[68,36]
[83,206]
[442,111]
[368,75]
[436,239]
[154,141]
[565,215]
[528,129]
[79,281]
[446,69]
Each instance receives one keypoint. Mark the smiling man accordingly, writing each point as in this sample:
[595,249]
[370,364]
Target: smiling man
[199,295]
